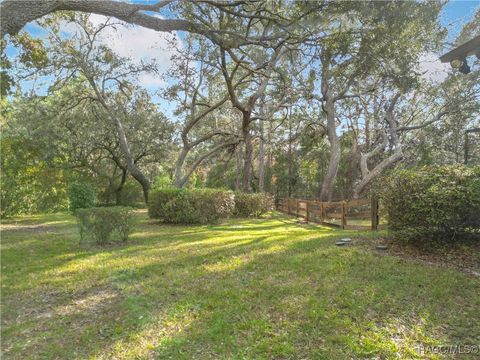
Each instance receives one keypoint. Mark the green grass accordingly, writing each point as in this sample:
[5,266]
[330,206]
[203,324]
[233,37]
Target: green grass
[243,289]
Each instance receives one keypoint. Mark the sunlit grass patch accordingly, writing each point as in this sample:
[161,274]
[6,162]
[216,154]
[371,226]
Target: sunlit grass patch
[261,288]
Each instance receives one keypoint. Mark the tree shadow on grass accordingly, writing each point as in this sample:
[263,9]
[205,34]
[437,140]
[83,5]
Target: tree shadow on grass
[220,294]
[354,301]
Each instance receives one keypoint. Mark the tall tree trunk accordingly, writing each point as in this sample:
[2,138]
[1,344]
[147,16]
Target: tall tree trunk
[118,190]
[261,161]
[239,166]
[131,166]
[335,152]
[122,138]
[289,169]
[269,145]
[247,138]
[179,180]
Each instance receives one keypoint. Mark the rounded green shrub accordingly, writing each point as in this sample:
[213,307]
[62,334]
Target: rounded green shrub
[432,202]
[81,196]
[103,225]
[248,205]
[190,206]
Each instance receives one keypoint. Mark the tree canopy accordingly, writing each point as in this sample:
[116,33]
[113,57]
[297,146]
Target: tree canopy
[307,99]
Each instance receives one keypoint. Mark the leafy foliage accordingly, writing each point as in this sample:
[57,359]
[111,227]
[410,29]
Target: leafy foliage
[29,183]
[131,194]
[190,206]
[103,224]
[81,195]
[432,202]
[252,205]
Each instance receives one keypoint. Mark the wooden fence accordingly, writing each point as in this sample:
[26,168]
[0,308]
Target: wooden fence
[359,214]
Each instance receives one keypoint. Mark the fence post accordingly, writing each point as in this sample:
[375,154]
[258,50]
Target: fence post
[307,210]
[344,216]
[374,213]
[298,207]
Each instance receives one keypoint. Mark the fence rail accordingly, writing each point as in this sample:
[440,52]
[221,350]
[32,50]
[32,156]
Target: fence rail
[359,214]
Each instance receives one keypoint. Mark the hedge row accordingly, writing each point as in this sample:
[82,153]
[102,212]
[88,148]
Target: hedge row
[432,202]
[252,205]
[202,206]
[103,225]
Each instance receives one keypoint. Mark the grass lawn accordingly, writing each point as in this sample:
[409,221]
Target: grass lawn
[243,289]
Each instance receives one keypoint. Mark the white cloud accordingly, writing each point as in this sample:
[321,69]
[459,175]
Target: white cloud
[126,40]
[432,68]
[139,43]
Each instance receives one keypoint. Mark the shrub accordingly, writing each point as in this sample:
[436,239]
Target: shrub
[190,206]
[81,196]
[103,224]
[432,202]
[247,205]
[132,194]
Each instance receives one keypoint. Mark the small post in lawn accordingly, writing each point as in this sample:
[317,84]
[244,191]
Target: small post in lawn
[344,216]
[374,213]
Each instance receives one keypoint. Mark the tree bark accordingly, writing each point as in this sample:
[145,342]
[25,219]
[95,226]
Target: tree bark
[239,166]
[335,152]
[369,175]
[200,159]
[247,139]
[179,180]
[122,139]
[261,158]
[14,14]
[118,190]
[290,160]
[377,171]
[131,166]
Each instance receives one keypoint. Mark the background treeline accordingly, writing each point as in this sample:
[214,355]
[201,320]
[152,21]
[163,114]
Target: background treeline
[312,104]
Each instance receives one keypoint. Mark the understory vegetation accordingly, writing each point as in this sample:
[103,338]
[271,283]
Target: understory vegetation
[243,288]
[104,224]
[432,203]
[204,206]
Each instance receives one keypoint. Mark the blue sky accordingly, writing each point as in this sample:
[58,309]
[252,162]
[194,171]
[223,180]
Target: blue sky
[455,14]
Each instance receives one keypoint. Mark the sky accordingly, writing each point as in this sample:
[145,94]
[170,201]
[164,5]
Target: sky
[144,44]
[455,14]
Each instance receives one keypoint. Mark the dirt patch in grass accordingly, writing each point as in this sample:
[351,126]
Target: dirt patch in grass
[7,229]
[464,256]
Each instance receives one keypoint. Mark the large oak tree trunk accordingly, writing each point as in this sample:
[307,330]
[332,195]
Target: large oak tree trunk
[239,167]
[131,166]
[122,139]
[179,178]
[335,152]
